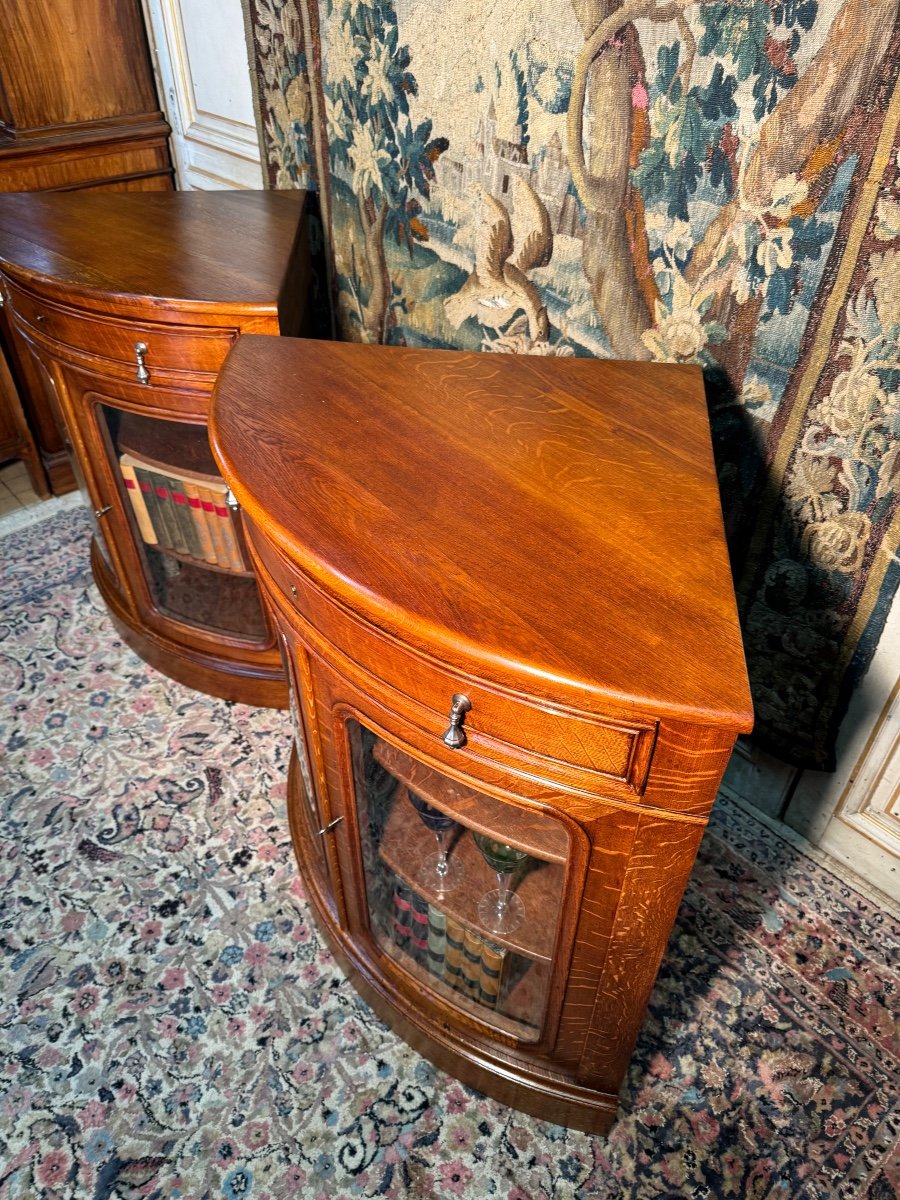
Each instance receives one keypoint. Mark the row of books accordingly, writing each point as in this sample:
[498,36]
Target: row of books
[185,516]
[450,951]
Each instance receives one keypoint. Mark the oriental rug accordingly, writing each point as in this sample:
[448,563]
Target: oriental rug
[174,1029]
[691,180]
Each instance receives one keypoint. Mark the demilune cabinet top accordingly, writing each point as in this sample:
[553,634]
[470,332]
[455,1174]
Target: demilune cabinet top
[553,524]
[503,593]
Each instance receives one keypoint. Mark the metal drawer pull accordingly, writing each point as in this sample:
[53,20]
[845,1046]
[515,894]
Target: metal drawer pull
[455,736]
[140,349]
[101,512]
[329,827]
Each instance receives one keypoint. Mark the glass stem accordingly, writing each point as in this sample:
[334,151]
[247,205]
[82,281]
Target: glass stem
[441,835]
[504,881]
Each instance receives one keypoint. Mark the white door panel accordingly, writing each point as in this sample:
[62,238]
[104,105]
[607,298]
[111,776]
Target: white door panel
[204,74]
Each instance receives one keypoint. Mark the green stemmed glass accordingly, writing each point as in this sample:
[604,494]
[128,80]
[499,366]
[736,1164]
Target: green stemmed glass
[500,910]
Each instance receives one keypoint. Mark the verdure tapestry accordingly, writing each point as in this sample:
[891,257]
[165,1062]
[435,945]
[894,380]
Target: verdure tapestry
[708,181]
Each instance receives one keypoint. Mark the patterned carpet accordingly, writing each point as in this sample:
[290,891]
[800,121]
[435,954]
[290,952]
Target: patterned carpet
[173,1027]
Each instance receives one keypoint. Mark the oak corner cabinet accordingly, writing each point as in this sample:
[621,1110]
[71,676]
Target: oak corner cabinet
[504,597]
[126,304]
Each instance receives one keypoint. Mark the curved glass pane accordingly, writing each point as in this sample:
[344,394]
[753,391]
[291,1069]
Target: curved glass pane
[463,890]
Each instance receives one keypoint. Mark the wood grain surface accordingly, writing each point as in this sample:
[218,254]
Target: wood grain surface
[552,525]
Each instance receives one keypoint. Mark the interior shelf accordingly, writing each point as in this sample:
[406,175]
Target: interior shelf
[518,1003]
[168,446]
[406,844]
[532,832]
[217,601]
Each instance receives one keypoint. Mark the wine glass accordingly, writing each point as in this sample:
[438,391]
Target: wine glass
[500,910]
[438,873]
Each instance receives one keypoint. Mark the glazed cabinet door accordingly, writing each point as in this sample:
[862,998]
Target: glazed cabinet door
[170,539]
[189,543]
[463,891]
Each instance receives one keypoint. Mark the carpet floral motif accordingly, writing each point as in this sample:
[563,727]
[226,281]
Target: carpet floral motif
[174,1028]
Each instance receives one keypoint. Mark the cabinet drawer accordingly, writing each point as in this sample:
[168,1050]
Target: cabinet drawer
[573,749]
[179,348]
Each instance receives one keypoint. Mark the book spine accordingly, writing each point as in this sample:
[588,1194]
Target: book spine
[136,499]
[186,526]
[437,940]
[490,977]
[402,915]
[147,482]
[419,931]
[208,504]
[453,954]
[166,511]
[471,963]
[235,561]
[198,519]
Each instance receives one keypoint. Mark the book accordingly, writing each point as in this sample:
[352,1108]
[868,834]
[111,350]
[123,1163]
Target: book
[490,978]
[208,504]
[186,526]
[419,930]
[204,534]
[453,953]
[235,560]
[437,940]
[157,507]
[137,500]
[167,527]
[471,963]
[402,914]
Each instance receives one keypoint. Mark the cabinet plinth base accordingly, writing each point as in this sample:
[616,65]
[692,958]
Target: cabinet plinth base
[259,685]
[547,1097]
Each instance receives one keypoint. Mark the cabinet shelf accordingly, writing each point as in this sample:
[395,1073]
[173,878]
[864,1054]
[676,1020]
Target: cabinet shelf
[406,844]
[222,602]
[533,833]
[180,449]
[517,1004]
[201,564]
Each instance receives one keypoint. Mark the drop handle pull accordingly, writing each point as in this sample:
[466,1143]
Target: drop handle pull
[140,350]
[455,735]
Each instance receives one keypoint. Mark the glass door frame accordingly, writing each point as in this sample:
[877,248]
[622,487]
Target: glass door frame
[357,915]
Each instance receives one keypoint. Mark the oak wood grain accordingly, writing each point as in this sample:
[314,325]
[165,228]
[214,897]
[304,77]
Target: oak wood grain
[490,465]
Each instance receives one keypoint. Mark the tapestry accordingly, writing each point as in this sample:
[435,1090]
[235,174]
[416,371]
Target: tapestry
[704,181]
[172,1026]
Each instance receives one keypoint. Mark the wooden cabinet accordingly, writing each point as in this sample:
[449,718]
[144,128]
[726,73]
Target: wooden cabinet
[504,597]
[128,304]
[78,110]
[78,103]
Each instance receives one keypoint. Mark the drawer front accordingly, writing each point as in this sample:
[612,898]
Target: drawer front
[176,348]
[571,749]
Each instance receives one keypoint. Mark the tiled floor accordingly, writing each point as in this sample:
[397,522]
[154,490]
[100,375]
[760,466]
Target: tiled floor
[16,491]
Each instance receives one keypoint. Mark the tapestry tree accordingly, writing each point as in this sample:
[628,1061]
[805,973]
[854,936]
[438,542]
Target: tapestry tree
[372,138]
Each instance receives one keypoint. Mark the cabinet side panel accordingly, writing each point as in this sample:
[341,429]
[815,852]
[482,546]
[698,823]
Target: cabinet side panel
[661,860]
[75,60]
[612,841]
[688,765]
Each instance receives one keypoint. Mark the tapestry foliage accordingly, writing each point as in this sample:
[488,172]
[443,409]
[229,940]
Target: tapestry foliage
[686,180]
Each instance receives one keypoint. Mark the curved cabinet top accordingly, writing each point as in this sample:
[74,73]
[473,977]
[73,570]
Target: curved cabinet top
[548,525]
[173,251]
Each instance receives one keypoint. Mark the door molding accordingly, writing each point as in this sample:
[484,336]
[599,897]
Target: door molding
[206,89]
